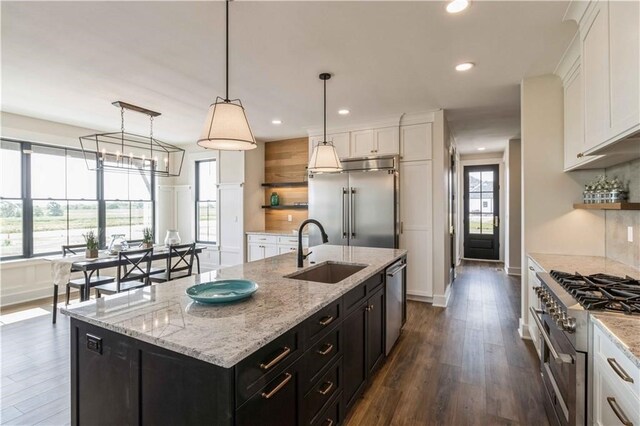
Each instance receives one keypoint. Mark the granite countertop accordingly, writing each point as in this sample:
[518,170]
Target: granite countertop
[624,331]
[223,335]
[585,265]
[278,233]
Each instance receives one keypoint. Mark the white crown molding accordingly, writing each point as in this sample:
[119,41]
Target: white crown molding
[576,10]
[570,59]
[390,121]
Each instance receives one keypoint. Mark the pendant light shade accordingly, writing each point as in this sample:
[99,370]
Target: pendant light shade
[324,157]
[226,127]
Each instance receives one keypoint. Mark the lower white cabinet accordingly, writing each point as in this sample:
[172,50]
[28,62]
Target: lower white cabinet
[261,246]
[533,302]
[616,383]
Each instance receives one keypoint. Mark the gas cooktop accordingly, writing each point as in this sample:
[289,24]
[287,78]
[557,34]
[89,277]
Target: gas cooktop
[602,291]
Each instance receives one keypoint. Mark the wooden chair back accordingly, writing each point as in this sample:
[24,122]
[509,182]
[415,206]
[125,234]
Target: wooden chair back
[180,259]
[134,265]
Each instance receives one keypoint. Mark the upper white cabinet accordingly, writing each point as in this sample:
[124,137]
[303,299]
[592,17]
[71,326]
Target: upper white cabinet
[339,140]
[362,143]
[375,142]
[610,33]
[416,142]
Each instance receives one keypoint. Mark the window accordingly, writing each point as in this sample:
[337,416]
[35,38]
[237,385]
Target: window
[49,197]
[129,203]
[206,196]
[11,210]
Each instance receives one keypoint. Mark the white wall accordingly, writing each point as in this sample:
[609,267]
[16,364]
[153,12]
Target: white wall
[550,224]
[513,213]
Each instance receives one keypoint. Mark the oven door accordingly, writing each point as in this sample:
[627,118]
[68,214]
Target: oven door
[561,373]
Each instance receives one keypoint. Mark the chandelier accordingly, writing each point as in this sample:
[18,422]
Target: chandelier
[127,152]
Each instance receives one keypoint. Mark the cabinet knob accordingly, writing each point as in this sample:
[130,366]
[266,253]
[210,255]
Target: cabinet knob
[580,155]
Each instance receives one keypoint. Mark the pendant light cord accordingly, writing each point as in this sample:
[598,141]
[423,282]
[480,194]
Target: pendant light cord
[227,52]
[325,112]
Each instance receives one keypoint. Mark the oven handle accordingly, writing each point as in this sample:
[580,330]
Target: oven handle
[557,357]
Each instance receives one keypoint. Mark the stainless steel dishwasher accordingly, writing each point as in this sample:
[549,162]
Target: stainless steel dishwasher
[395,295]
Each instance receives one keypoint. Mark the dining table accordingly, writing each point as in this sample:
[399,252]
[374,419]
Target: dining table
[105,260]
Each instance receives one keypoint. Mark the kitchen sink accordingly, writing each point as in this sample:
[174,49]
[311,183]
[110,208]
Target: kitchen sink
[327,272]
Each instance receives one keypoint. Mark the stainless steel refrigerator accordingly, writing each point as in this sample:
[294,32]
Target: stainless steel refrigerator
[358,206]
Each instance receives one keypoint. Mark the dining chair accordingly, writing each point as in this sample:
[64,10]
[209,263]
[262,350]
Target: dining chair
[134,267]
[77,283]
[179,263]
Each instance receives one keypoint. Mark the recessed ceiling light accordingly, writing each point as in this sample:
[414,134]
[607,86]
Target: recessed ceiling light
[456,6]
[276,121]
[465,66]
[482,148]
[343,111]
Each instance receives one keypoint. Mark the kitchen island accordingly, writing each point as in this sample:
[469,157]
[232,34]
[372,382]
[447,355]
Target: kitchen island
[296,352]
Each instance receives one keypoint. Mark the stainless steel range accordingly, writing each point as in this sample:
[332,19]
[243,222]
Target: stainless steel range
[566,300]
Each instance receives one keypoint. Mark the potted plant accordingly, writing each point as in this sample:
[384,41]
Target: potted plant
[147,238]
[92,245]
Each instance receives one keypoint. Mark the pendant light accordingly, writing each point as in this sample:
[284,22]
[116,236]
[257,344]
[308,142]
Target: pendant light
[324,157]
[227,127]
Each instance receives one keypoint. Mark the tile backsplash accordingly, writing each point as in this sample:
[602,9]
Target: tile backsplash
[617,245]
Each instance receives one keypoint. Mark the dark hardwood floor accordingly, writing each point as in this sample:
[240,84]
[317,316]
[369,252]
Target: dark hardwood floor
[464,365]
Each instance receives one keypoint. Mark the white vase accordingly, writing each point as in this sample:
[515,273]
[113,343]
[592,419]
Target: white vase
[173,237]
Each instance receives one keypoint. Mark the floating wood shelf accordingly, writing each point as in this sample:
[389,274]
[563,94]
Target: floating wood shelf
[285,207]
[284,184]
[608,206]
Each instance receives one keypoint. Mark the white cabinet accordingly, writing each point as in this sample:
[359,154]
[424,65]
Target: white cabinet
[382,141]
[416,142]
[416,235]
[533,302]
[339,140]
[260,246]
[616,383]
[610,67]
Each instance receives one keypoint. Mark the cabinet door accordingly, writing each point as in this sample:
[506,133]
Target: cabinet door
[362,143]
[375,330]
[256,252]
[419,262]
[275,404]
[573,121]
[341,142]
[610,404]
[595,74]
[624,56]
[270,250]
[415,142]
[386,141]
[355,369]
[534,302]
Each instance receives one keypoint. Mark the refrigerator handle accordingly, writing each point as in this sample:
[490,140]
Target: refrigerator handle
[352,210]
[344,215]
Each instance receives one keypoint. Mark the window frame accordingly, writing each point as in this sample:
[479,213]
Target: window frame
[197,200]
[27,200]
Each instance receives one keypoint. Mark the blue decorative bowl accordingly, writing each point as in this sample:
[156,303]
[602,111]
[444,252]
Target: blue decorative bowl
[222,291]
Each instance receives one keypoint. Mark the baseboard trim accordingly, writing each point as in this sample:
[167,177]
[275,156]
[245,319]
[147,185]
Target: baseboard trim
[514,271]
[523,330]
[419,298]
[442,300]
[483,260]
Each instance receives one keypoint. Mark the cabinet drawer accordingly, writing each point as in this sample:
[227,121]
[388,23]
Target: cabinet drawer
[374,282]
[274,404]
[255,370]
[317,398]
[332,415]
[613,405]
[266,239]
[353,298]
[609,357]
[319,356]
[293,241]
[321,321]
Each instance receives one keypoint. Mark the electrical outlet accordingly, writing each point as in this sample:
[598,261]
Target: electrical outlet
[630,234]
[290,218]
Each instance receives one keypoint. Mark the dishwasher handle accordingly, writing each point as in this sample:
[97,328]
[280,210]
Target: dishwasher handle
[396,270]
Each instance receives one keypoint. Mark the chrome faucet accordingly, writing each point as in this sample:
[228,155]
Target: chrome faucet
[325,239]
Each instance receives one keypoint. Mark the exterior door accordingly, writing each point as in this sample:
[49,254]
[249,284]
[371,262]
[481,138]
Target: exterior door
[481,221]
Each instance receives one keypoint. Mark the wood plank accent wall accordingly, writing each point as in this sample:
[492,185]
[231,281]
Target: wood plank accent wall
[286,161]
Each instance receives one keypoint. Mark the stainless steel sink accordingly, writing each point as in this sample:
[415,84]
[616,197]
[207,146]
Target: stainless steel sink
[327,272]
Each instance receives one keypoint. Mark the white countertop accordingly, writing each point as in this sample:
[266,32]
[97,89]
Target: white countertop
[223,335]
[586,265]
[277,233]
[624,331]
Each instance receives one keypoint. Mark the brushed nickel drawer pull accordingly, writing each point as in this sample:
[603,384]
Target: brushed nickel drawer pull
[619,370]
[327,348]
[326,320]
[267,395]
[328,422]
[618,411]
[327,388]
[285,351]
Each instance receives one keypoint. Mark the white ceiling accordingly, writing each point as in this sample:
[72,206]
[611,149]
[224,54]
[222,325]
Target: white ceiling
[67,61]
